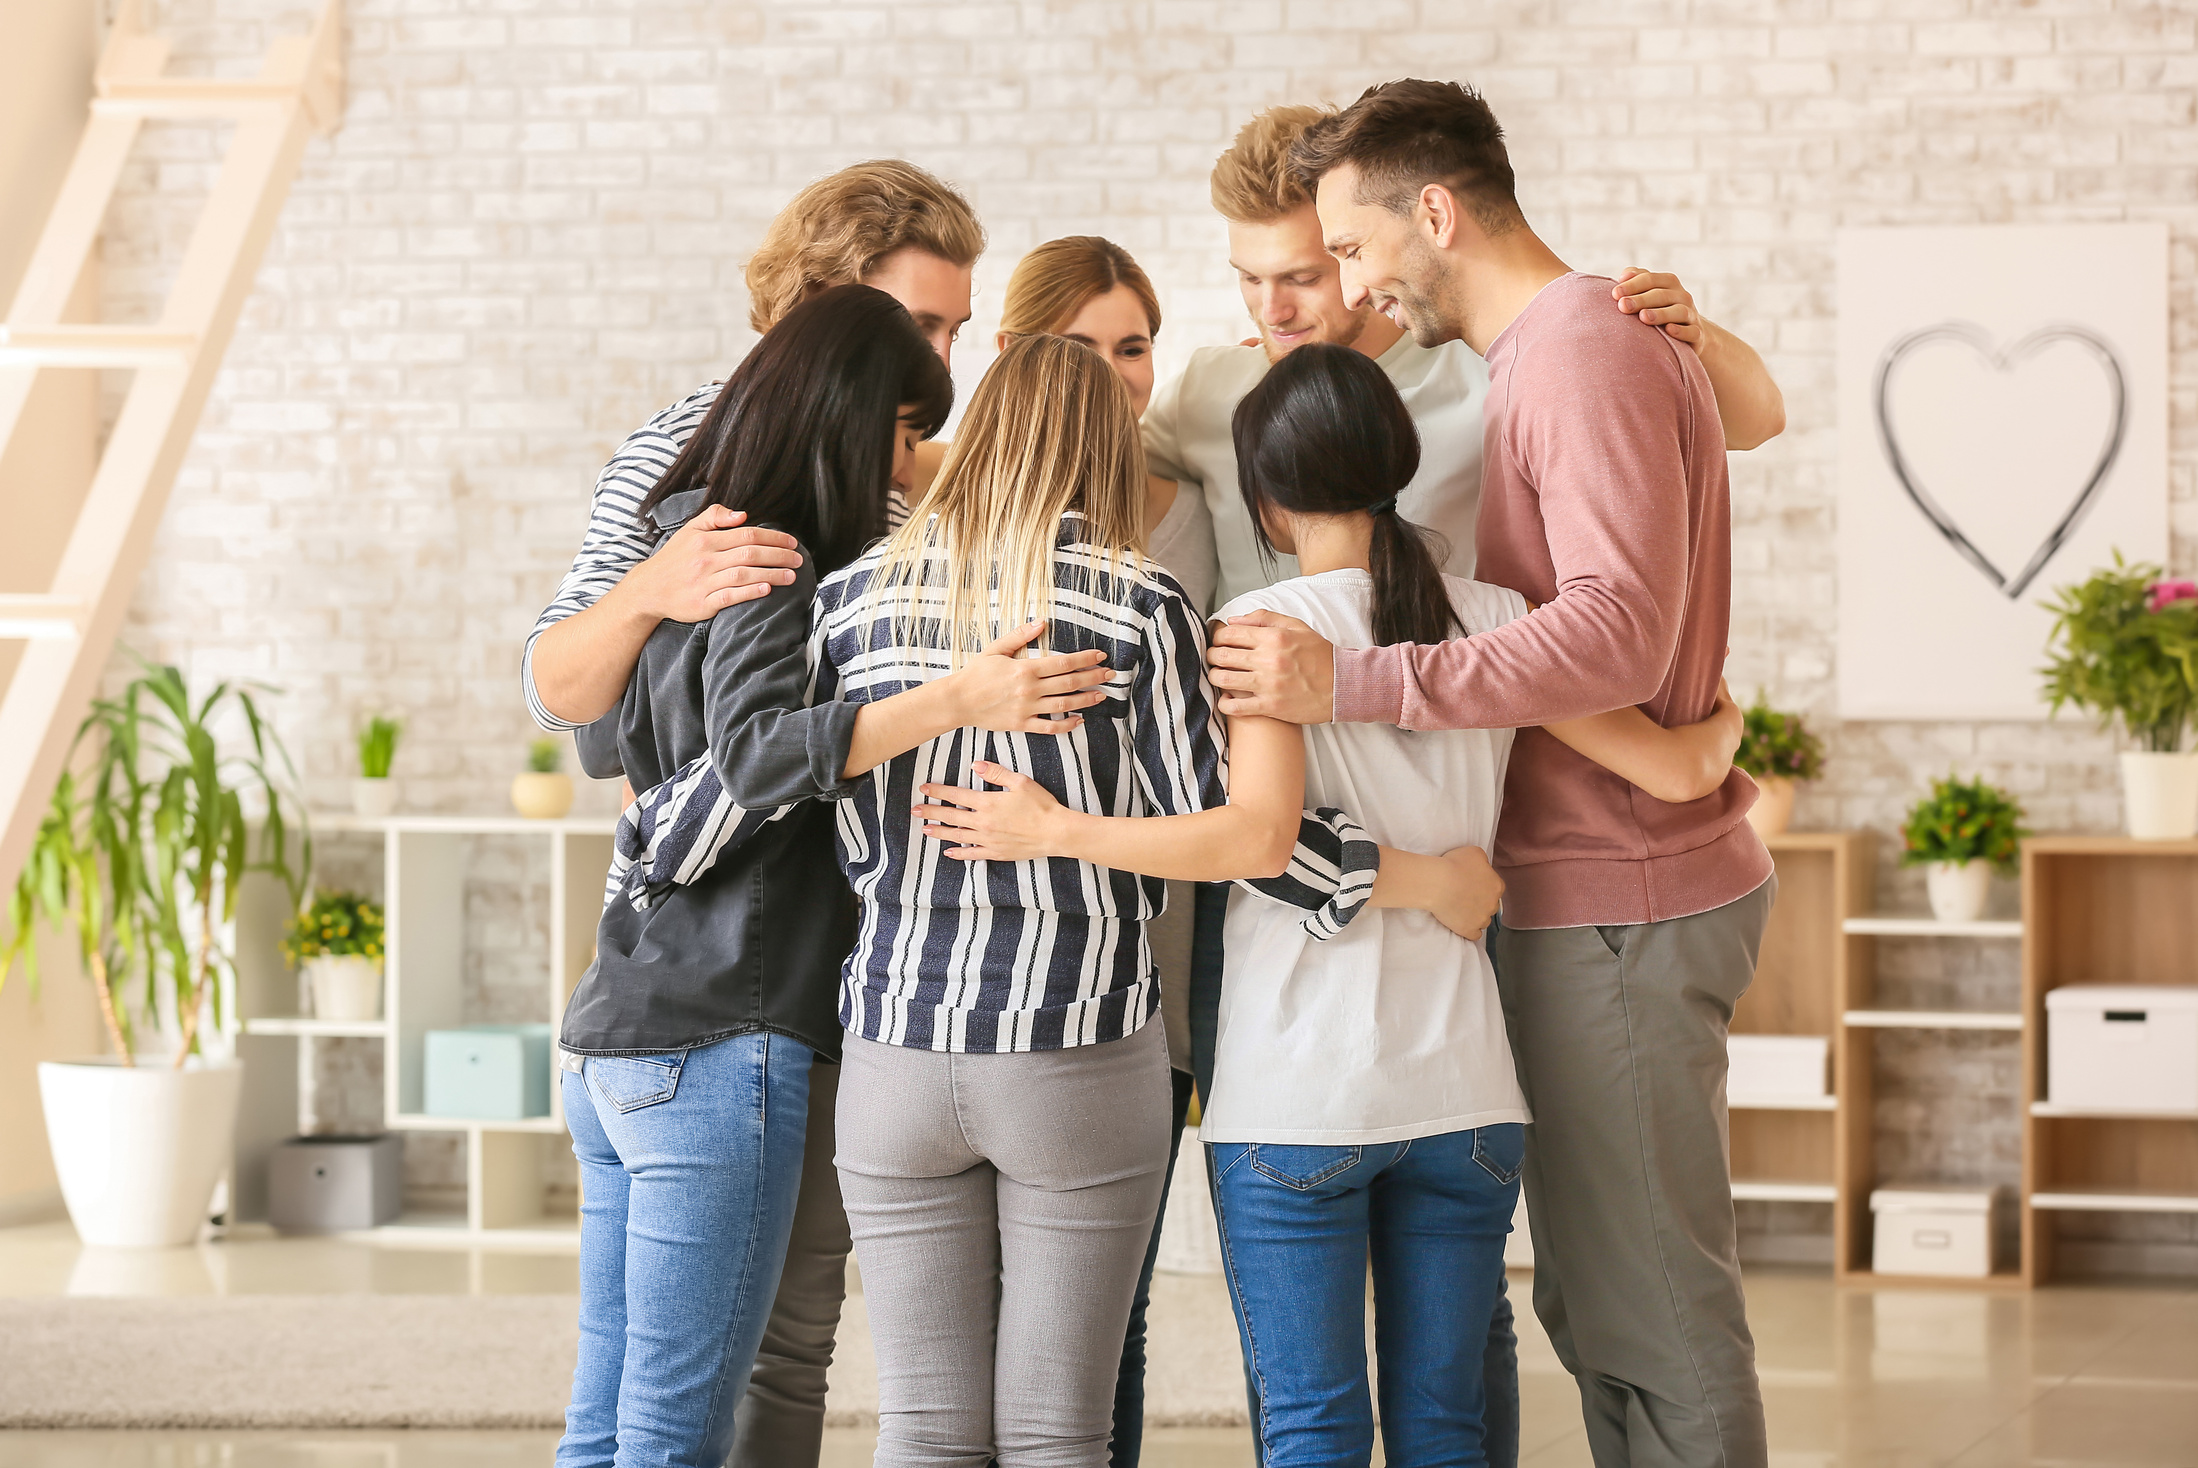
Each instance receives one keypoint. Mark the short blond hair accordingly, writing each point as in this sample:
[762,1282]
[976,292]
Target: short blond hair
[1060,277]
[1253,183]
[837,230]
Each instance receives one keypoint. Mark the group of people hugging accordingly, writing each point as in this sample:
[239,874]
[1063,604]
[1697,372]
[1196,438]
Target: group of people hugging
[1329,744]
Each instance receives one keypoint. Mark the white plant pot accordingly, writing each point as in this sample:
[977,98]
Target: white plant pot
[345,986]
[1958,889]
[1773,810]
[139,1149]
[2160,795]
[541,797]
[373,798]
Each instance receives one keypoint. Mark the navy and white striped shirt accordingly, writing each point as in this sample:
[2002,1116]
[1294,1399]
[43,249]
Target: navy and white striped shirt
[1000,956]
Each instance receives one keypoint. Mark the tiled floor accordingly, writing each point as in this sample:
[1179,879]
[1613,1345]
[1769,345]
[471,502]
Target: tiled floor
[2072,1375]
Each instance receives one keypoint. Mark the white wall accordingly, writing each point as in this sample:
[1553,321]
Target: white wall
[528,236]
[45,80]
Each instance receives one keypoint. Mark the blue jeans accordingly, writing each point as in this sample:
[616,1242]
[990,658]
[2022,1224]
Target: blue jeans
[689,1164]
[1500,1362]
[1297,1227]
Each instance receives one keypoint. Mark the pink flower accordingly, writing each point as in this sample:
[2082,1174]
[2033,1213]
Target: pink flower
[2165,593]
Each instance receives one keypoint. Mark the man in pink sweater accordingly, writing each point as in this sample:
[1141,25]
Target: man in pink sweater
[1630,927]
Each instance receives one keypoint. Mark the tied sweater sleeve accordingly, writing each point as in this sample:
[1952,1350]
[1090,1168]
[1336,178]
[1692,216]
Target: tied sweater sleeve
[1588,510]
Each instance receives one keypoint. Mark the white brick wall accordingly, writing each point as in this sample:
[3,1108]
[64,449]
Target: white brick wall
[529,233]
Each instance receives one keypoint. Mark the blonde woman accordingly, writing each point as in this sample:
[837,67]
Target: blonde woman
[1092,291]
[1003,1113]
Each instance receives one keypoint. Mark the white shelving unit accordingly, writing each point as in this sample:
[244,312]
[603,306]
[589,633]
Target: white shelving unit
[423,875]
[1781,1103]
[1774,1192]
[1934,1019]
[2108,1201]
[1887,925]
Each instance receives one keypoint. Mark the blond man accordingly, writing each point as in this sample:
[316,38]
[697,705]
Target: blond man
[891,225]
[1293,290]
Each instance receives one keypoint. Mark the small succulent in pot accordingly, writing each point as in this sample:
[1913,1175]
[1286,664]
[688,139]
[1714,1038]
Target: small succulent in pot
[1962,833]
[373,793]
[544,792]
[1777,750]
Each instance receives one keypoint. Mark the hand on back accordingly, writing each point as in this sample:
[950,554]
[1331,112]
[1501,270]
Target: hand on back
[1267,665]
[1004,691]
[712,562]
[1659,299]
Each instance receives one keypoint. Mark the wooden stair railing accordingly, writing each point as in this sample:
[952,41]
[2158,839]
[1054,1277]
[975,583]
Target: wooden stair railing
[68,631]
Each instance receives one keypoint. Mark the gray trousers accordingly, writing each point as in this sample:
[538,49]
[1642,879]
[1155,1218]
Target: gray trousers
[1001,1207]
[780,1421]
[1619,1034]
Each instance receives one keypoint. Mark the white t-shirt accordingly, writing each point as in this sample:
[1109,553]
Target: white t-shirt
[1187,440]
[1392,1029]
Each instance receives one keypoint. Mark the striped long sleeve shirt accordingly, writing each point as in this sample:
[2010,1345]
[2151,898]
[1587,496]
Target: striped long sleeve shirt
[619,537]
[1000,956]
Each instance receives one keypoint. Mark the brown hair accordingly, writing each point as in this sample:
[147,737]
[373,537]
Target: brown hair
[1252,182]
[1402,136]
[835,231]
[1049,429]
[1059,278]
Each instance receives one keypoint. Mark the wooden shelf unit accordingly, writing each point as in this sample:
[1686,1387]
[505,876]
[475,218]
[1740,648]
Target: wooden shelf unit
[423,894]
[2101,910]
[1854,1059]
[1787,1152]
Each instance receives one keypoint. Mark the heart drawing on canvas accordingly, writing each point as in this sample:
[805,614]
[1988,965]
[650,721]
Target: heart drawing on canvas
[2004,359]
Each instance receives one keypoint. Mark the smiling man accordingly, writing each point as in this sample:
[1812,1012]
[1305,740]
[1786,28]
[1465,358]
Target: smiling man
[1630,927]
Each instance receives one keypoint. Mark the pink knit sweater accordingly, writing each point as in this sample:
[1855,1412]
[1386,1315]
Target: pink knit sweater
[1604,500]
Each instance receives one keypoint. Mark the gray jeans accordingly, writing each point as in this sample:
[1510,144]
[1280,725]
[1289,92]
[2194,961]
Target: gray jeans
[780,1421]
[1620,1038]
[1001,1206]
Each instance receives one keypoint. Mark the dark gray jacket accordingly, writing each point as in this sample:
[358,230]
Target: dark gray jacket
[758,943]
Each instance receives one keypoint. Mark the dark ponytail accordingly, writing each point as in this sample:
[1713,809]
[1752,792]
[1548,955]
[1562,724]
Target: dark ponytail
[1325,433]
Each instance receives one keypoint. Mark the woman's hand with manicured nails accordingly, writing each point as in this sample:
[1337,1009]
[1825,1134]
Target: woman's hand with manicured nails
[1006,692]
[1021,821]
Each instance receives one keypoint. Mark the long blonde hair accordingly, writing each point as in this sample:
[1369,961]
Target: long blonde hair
[1049,429]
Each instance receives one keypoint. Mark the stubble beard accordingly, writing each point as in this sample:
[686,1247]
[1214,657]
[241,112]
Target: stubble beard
[1427,298]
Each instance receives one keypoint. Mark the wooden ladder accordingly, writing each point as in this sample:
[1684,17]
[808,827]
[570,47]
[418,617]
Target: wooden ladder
[69,630]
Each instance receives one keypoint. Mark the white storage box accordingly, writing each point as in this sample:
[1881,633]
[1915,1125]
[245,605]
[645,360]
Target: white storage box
[1925,1228]
[1777,1067]
[2124,1047]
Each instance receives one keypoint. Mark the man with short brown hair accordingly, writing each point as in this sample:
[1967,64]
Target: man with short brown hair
[891,225]
[1630,927]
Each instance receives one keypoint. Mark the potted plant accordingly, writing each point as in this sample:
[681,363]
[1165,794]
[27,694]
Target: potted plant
[543,792]
[1776,751]
[2124,646]
[337,942]
[139,857]
[1961,834]
[373,794]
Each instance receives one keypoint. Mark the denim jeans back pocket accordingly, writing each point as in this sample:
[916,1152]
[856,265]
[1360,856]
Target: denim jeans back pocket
[630,1082]
[1302,1167]
[1501,1150]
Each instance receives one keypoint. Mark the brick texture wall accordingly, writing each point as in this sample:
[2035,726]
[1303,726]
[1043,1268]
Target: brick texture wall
[528,236]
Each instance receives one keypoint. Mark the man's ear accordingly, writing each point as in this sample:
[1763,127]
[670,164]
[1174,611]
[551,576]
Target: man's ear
[1440,215]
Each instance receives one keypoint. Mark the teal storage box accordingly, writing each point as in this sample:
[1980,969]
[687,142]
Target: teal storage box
[489,1072]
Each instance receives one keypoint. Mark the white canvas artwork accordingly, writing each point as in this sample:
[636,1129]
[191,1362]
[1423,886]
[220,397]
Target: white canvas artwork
[2002,432]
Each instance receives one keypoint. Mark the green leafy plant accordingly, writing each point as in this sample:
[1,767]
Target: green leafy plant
[378,746]
[1778,746]
[337,925]
[1964,821]
[2124,646]
[142,849]
[546,756]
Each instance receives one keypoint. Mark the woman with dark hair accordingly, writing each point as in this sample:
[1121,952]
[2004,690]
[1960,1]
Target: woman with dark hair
[686,1049]
[1363,1096]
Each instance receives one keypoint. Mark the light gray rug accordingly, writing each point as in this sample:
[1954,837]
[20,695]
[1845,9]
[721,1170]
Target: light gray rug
[450,1361]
